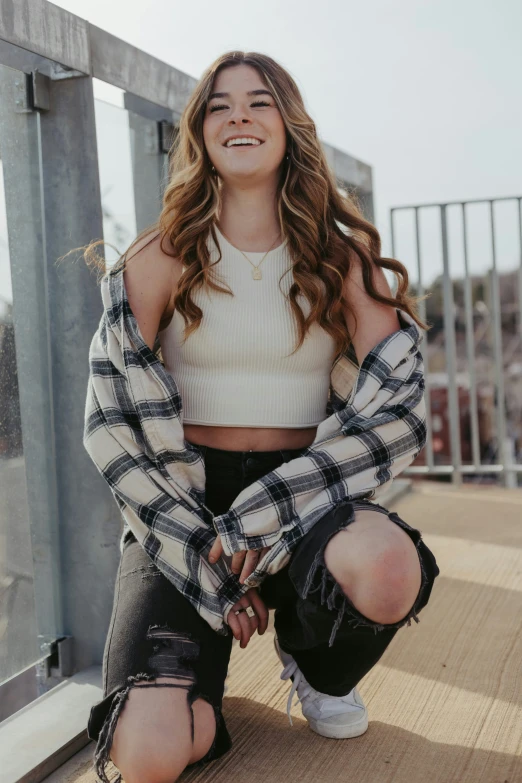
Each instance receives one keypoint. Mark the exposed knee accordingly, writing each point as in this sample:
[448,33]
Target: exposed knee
[140,760]
[156,726]
[381,575]
[153,738]
[387,592]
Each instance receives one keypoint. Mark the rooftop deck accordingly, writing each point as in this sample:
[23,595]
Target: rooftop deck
[445,700]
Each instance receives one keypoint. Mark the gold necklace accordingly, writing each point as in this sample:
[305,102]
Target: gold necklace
[256,272]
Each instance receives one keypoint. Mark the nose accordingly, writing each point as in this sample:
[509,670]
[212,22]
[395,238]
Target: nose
[243,120]
[239,116]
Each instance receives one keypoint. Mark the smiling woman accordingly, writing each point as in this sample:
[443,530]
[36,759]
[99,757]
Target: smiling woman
[254,383]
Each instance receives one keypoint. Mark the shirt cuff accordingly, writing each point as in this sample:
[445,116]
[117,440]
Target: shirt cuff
[225,527]
[230,591]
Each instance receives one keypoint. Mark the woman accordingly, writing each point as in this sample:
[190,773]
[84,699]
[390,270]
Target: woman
[244,460]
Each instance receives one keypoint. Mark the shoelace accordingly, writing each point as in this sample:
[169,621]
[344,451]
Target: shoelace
[289,670]
[330,705]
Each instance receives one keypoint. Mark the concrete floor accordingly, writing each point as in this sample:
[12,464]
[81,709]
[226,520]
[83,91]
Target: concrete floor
[445,700]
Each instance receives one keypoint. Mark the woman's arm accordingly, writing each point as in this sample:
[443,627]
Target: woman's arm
[135,446]
[150,277]
[375,321]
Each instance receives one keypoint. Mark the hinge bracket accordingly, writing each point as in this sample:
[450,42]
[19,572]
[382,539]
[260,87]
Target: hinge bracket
[58,661]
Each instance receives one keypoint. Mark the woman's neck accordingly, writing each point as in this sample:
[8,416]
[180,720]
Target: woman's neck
[248,218]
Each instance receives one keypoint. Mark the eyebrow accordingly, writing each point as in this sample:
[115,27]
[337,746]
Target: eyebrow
[252,92]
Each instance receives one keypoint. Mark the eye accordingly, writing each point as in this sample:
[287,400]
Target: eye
[219,106]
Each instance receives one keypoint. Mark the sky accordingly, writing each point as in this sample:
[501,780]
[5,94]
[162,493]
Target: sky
[428,92]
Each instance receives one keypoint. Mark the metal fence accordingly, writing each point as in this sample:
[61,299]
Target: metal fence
[471,235]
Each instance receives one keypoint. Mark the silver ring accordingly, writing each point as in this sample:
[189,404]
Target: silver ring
[246,609]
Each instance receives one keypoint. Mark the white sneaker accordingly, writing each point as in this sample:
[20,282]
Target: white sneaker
[330,716]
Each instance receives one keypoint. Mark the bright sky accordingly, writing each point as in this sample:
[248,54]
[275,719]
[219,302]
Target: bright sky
[425,91]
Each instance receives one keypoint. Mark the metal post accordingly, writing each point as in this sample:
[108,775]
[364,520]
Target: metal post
[500,407]
[519,204]
[451,354]
[470,348]
[424,348]
[21,159]
[89,519]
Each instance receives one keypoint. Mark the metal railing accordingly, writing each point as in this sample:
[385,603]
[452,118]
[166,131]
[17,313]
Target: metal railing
[503,465]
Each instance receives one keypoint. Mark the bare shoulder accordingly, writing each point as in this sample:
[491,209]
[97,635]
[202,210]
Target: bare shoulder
[151,276]
[368,321]
[154,253]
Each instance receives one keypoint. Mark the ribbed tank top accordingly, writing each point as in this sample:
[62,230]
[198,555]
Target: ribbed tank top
[234,369]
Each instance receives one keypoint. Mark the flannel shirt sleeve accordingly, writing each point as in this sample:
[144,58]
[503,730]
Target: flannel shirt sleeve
[363,445]
[150,484]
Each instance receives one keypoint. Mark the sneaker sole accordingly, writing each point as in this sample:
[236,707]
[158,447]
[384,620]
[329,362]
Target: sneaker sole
[339,732]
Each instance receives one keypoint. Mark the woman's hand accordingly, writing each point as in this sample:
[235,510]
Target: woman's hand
[243,627]
[243,562]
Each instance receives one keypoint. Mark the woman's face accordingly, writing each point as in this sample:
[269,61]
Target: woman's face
[235,111]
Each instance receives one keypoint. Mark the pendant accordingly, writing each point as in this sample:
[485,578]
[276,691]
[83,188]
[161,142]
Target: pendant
[256,274]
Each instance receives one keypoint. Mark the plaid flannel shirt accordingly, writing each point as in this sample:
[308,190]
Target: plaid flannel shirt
[374,427]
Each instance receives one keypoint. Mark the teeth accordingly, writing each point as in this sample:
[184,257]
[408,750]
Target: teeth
[233,142]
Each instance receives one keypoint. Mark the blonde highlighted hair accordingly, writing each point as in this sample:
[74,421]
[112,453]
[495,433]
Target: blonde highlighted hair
[325,227]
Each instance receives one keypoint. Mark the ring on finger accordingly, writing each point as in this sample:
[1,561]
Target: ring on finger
[248,609]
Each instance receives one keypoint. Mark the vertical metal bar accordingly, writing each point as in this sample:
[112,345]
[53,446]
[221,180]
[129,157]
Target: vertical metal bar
[392,233]
[88,517]
[520,270]
[470,347]
[519,204]
[424,349]
[451,354]
[21,158]
[500,406]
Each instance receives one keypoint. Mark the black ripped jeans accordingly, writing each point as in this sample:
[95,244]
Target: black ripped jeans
[154,630]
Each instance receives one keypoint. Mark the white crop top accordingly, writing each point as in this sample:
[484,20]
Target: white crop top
[234,370]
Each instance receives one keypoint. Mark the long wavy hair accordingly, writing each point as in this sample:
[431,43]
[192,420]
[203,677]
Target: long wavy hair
[324,225]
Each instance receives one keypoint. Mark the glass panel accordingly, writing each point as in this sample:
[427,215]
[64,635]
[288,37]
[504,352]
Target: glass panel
[18,626]
[117,194]
[131,172]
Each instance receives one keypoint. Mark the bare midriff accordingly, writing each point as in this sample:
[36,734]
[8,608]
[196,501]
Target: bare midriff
[249,438]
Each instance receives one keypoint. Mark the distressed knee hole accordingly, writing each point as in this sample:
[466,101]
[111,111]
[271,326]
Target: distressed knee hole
[172,656]
[330,593]
[172,653]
